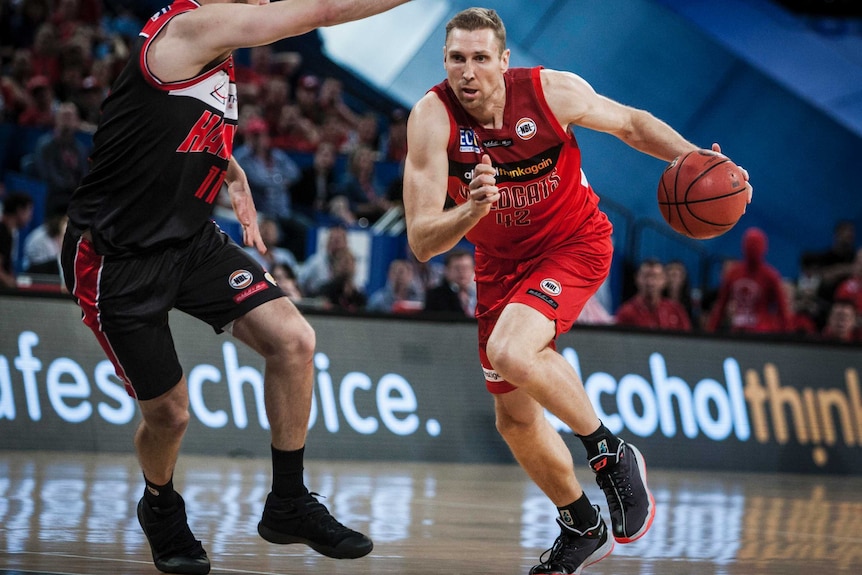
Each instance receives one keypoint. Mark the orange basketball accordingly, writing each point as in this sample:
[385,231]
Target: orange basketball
[702,194]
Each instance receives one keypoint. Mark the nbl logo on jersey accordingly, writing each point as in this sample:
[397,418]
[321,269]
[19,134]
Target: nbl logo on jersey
[468,142]
[526,128]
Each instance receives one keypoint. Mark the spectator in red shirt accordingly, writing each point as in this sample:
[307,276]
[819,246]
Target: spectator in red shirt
[842,322]
[251,78]
[851,288]
[394,145]
[648,307]
[40,108]
[750,297]
[295,132]
[13,86]
[800,321]
[45,54]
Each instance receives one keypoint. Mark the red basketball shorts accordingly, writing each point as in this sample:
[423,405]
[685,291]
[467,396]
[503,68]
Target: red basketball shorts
[557,284]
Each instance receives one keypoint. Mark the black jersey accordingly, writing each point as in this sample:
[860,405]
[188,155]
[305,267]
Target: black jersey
[160,152]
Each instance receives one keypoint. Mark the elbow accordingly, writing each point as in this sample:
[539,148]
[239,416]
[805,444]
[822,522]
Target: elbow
[422,253]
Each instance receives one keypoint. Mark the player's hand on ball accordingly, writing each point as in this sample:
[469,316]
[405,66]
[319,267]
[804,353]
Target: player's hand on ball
[717,148]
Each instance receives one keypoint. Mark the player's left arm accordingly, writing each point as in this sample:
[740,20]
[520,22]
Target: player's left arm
[574,101]
[243,205]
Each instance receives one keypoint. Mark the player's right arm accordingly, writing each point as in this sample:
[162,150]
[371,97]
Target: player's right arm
[431,229]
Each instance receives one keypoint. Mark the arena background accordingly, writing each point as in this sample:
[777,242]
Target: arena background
[394,389]
[781,93]
[778,83]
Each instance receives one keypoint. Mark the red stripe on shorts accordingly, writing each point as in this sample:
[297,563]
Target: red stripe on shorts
[88,272]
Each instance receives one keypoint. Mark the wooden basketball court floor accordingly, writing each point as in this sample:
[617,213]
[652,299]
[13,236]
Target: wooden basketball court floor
[70,513]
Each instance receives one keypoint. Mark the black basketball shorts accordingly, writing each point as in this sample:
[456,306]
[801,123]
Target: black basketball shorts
[125,300]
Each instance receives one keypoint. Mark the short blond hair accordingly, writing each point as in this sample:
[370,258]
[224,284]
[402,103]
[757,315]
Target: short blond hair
[479,19]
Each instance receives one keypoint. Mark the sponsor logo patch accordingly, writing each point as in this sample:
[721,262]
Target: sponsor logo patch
[244,295]
[240,279]
[544,297]
[468,142]
[219,92]
[526,128]
[491,375]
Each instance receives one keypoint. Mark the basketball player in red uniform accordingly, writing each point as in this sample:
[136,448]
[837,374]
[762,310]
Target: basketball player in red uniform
[140,242]
[498,142]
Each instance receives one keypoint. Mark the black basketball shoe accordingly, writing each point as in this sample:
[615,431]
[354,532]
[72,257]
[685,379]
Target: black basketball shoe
[622,476]
[573,550]
[174,547]
[305,520]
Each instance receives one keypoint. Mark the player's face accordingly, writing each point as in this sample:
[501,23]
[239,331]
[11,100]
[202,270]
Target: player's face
[475,67]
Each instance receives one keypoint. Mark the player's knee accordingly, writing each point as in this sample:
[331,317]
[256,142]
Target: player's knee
[300,342]
[170,418]
[508,362]
[292,341]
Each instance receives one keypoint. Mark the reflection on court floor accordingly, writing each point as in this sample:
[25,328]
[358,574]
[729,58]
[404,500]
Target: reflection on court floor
[75,514]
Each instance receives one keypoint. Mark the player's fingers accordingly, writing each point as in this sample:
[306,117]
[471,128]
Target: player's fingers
[716,147]
[483,173]
[487,195]
[480,181]
[259,245]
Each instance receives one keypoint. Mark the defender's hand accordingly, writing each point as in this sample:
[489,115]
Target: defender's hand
[246,213]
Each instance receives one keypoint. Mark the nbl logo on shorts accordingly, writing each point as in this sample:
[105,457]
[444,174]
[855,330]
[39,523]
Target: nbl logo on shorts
[551,287]
[240,279]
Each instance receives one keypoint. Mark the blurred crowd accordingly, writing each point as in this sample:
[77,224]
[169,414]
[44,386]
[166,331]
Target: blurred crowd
[313,158]
[823,302]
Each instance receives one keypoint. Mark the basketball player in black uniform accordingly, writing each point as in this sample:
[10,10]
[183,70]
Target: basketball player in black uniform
[140,242]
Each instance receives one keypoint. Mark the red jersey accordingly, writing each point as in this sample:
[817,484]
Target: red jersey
[545,199]
[753,298]
[850,289]
[160,152]
[668,314]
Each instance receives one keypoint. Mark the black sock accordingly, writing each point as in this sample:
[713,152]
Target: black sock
[160,496]
[579,514]
[600,441]
[287,473]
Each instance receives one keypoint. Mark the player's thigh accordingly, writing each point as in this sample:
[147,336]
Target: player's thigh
[276,327]
[521,331]
[559,284]
[125,302]
[221,282]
